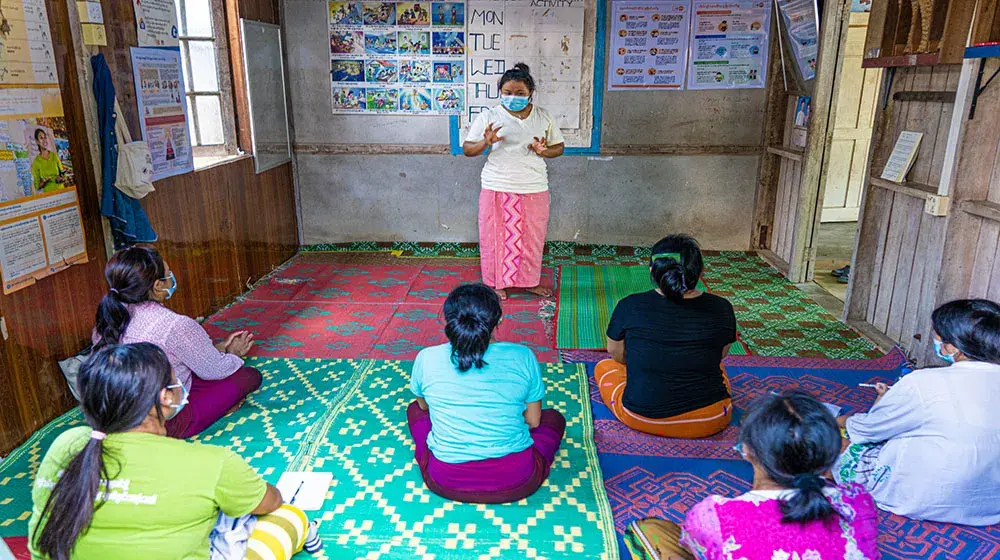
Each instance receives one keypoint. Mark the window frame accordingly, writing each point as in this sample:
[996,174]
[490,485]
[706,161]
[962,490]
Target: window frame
[226,93]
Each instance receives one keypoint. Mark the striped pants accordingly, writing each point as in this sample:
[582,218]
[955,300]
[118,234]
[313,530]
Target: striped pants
[276,536]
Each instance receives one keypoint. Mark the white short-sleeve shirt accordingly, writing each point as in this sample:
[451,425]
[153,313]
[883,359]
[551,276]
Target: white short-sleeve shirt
[512,166]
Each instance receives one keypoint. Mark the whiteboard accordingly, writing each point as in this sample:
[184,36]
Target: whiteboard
[263,65]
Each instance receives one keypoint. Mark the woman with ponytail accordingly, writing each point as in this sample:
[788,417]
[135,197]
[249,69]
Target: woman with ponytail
[134,310]
[480,431]
[120,488]
[665,375]
[519,137]
[792,509]
[929,448]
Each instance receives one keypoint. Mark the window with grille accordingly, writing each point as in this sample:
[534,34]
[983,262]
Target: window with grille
[205,60]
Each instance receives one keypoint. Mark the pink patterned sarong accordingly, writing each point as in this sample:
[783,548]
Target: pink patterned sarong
[512,230]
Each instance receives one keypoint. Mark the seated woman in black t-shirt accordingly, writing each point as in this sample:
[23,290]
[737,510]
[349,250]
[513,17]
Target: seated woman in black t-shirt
[671,341]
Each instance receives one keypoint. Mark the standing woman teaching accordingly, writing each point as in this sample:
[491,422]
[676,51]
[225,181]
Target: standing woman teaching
[514,202]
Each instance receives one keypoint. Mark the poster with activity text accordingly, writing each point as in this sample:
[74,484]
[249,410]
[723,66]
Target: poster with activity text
[729,44]
[398,57]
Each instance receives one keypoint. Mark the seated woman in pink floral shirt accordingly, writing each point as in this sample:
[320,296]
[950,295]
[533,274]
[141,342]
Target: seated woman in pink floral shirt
[792,512]
[213,376]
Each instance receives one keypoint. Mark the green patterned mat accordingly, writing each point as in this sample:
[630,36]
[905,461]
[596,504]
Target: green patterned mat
[348,417]
[775,317]
[587,297]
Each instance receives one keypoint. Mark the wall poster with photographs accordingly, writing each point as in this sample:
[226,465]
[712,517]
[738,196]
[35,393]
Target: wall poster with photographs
[398,57]
[41,227]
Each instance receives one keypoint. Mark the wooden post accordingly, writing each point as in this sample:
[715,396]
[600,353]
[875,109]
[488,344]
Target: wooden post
[833,35]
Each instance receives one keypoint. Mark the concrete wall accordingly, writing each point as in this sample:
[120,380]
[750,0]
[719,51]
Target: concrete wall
[351,189]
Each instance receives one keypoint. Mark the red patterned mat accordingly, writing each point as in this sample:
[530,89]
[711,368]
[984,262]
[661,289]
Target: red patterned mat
[330,311]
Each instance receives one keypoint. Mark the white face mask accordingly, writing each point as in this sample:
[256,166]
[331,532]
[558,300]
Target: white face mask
[184,399]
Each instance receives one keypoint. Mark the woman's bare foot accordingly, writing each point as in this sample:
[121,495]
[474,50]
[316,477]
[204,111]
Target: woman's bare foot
[539,291]
[502,294]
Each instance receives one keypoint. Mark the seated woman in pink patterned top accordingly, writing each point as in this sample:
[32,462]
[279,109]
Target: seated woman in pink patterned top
[792,512]
[213,377]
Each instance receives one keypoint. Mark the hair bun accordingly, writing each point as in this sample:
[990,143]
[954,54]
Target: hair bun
[522,67]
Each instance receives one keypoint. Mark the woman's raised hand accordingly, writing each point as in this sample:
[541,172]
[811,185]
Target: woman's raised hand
[492,135]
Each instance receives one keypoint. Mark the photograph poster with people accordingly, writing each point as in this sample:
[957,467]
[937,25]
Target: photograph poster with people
[159,85]
[398,57]
[649,44]
[729,43]
[41,230]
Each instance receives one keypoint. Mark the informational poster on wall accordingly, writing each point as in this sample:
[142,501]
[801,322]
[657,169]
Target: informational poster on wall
[649,44]
[800,23]
[159,86]
[41,230]
[398,57]
[156,23]
[547,35]
[729,42]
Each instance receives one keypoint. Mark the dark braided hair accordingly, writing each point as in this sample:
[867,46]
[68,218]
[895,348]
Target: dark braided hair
[795,439]
[131,274]
[471,313]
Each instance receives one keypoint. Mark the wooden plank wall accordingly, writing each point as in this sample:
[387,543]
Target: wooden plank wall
[900,246]
[787,199]
[971,268]
[219,228]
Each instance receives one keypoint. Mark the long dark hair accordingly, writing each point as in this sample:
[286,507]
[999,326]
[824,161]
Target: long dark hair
[972,326]
[118,387]
[795,439]
[471,313]
[672,276]
[131,274]
[519,73]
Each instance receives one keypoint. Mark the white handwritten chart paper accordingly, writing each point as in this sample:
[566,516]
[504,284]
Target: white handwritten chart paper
[729,42]
[649,44]
[548,36]
[398,57]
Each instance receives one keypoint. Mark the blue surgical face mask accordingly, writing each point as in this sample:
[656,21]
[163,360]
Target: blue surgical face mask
[515,103]
[939,350]
[184,399]
[173,285]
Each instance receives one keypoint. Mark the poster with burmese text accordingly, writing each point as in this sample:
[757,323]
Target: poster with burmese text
[41,230]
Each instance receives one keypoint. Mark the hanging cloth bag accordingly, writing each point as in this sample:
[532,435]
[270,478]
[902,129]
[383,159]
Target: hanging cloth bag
[135,163]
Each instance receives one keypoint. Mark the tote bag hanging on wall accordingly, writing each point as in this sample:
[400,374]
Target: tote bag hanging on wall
[135,163]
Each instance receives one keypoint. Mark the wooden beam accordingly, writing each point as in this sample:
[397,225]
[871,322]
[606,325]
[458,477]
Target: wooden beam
[883,342]
[982,208]
[925,96]
[794,154]
[916,190]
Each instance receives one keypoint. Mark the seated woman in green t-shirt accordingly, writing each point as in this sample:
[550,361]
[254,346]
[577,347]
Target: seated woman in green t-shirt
[46,169]
[120,488]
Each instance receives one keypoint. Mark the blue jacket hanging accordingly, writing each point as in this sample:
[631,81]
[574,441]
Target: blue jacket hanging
[129,222]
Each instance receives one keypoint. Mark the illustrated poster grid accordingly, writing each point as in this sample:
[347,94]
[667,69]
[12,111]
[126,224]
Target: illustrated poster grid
[398,57]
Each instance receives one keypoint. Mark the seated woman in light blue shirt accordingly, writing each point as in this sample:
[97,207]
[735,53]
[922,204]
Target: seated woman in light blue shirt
[480,432]
[929,448]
